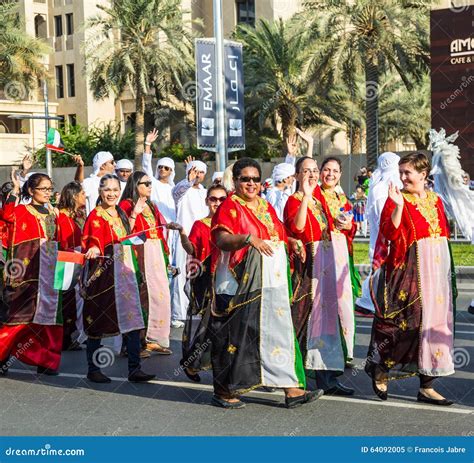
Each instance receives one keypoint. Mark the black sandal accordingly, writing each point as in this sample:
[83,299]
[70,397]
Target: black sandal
[192,376]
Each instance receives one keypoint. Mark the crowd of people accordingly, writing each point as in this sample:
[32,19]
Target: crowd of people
[259,274]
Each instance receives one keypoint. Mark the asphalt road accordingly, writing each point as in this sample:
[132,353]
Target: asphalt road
[171,405]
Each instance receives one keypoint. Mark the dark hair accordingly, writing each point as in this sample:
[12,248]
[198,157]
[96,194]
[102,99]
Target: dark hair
[131,191]
[300,161]
[329,159]
[33,181]
[67,200]
[120,212]
[419,161]
[213,188]
[241,164]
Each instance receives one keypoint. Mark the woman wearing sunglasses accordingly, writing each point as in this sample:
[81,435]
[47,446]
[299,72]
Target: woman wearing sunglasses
[145,217]
[111,292]
[196,343]
[253,338]
[33,330]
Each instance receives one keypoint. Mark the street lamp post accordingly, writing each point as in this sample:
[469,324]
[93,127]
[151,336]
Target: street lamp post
[221,158]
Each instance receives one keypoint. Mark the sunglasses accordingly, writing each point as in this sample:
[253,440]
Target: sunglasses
[215,199]
[44,190]
[249,179]
[164,167]
[145,183]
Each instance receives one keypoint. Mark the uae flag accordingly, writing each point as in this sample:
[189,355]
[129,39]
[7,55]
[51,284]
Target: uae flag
[54,141]
[135,238]
[68,269]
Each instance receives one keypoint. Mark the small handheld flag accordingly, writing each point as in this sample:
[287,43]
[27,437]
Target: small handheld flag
[54,141]
[68,268]
[134,238]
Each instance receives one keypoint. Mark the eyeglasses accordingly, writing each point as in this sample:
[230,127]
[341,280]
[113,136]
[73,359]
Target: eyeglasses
[310,171]
[164,167]
[44,189]
[145,183]
[215,199]
[249,179]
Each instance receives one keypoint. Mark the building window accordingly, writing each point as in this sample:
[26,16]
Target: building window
[72,119]
[58,26]
[40,27]
[246,12]
[59,82]
[71,85]
[69,24]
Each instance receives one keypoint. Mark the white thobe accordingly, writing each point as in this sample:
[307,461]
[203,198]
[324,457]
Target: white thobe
[91,188]
[190,206]
[278,198]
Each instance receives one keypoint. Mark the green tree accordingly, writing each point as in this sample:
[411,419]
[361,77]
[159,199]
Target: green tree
[140,45]
[277,86]
[363,36]
[20,54]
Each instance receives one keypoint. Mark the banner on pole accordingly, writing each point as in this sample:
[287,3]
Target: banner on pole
[206,95]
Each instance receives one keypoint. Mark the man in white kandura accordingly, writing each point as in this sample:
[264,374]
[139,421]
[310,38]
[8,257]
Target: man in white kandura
[103,163]
[190,198]
[283,178]
[162,184]
[123,170]
[386,173]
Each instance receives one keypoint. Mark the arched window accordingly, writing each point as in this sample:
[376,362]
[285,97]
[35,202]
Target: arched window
[40,27]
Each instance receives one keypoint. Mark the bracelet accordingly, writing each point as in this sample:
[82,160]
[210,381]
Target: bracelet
[147,143]
[247,240]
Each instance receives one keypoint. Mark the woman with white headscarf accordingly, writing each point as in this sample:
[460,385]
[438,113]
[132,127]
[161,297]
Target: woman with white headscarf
[190,198]
[283,177]
[386,173]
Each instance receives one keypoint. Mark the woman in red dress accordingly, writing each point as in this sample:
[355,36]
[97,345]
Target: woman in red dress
[323,319]
[253,338]
[111,293]
[413,287]
[341,212]
[34,319]
[71,219]
[196,343]
[152,256]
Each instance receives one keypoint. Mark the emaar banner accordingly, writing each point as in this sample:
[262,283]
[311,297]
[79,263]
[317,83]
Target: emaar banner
[206,95]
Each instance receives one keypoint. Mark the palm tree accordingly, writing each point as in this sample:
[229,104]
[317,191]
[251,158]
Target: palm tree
[369,37]
[276,79]
[20,54]
[141,45]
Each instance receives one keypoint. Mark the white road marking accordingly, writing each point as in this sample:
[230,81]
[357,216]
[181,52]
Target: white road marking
[208,387]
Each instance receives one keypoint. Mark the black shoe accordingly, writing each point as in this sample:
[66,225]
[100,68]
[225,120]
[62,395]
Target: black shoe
[306,398]
[139,376]
[339,389]
[380,394]
[218,402]
[47,371]
[98,377]
[192,376]
[428,400]
[470,309]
